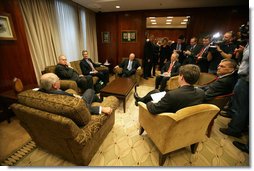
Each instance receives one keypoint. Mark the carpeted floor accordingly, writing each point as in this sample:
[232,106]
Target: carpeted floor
[125,147]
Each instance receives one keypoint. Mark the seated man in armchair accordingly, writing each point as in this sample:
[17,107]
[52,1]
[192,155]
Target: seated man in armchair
[65,72]
[50,84]
[87,67]
[129,66]
[168,70]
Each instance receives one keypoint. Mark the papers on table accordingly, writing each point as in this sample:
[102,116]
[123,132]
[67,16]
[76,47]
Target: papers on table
[158,96]
[36,89]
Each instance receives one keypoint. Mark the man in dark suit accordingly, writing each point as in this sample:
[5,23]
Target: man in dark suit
[179,47]
[87,67]
[168,70]
[65,72]
[50,84]
[227,78]
[149,51]
[184,96]
[129,66]
[191,51]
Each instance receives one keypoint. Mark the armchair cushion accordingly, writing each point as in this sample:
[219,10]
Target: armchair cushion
[63,105]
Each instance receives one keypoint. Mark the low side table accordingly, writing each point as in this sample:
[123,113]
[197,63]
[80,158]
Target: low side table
[9,97]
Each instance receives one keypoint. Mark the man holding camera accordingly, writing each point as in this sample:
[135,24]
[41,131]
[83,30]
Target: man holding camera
[221,50]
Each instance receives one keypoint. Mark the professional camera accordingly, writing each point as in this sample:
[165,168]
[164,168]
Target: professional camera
[244,31]
[217,40]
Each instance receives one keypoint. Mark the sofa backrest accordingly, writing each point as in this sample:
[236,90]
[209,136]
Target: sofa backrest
[76,66]
[67,106]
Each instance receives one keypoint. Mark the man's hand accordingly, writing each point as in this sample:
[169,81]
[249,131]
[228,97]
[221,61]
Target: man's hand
[107,110]
[117,66]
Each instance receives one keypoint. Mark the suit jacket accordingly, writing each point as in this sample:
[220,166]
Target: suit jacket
[135,65]
[177,99]
[190,59]
[92,109]
[149,51]
[181,55]
[66,73]
[222,86]
[85,67]
[174,70]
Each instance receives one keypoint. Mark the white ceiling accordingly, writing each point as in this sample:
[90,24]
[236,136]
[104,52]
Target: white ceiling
[131,5]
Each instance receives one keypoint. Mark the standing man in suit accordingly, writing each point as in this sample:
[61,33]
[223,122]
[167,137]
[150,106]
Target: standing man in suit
[50,84]
[201,57]
[168,70]
[191,51]
[129,66]
[149,51]
[179,47]
[186,95]
[65,72]
[87,67]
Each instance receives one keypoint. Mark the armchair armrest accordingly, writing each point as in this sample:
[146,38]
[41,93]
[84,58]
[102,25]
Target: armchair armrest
[139,71]
[118,70]
[69,84]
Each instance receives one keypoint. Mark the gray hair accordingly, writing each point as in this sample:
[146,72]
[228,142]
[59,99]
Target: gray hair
[48,80]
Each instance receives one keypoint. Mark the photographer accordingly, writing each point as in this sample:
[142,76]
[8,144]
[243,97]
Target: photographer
[220,50]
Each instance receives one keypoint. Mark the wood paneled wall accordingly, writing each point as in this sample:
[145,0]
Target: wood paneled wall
[202,22]
[15,56]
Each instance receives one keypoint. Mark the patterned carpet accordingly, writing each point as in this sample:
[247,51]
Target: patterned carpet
[125,147]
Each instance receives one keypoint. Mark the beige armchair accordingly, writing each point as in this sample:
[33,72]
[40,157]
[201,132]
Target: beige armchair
[172,131]
[63,125]
[136,77]
[204,79]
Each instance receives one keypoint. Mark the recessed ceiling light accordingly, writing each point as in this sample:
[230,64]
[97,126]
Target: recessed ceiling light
[154,23]
[153,20]
[151,17]
[169,20]
[187,16]
[170,17]
[168,23]
[183,22]
[117,6]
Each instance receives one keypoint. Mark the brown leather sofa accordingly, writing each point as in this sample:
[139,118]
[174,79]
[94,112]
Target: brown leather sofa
[136,77]
[62,125]
[69,84]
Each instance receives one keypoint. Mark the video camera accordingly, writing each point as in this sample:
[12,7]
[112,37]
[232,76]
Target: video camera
[217,40]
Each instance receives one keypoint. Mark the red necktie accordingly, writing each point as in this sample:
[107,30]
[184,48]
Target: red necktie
[170,67]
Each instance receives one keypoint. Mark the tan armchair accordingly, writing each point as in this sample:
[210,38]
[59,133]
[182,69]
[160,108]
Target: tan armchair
[69,84]
[172,131]
[204,79]
[136,77]
[63,125]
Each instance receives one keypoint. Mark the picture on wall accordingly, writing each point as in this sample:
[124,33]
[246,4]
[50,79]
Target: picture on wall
[129,36]
[105,37]
[6,27]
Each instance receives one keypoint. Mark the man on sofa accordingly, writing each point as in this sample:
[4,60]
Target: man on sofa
[129,66]
[50,84]
[65,72]
[87,67]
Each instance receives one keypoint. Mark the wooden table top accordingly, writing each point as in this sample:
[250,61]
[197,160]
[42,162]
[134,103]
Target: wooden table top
[119,86]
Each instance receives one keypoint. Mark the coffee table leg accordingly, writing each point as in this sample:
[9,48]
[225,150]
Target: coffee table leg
[124,105]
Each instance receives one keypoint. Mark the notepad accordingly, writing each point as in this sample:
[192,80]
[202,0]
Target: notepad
[158,96]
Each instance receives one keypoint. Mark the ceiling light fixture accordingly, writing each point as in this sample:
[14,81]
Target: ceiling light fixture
[117,6]
[154,23]
[169,20]
[151,17]
[168,23]
[183,22]
[170,17]
[153,20]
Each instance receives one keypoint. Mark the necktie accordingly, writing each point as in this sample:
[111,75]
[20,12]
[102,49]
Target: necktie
[170,67]
[129,65]
[178,47]
[91,65]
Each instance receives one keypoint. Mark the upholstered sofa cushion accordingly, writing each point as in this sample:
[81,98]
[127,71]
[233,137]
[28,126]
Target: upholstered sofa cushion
[63,105]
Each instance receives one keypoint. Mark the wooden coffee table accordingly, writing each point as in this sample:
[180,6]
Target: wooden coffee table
[120,88]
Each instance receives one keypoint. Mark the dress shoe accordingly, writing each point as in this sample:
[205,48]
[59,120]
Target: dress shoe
[241,146]
[145,78]
[230,133]
[225,114]
[137,98]
[150,76]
